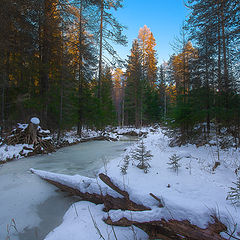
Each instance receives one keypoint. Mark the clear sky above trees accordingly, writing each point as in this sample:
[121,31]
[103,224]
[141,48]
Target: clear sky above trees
[163,17]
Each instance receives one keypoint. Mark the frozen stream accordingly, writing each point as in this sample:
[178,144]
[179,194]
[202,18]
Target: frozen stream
[37,207]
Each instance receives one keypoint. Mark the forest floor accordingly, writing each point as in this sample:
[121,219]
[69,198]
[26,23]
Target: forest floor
[195,191]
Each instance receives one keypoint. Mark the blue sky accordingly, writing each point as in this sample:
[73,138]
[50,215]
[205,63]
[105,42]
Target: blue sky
[163,17]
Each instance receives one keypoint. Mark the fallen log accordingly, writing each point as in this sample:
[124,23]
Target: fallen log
[97,196]
[109,182]
[158,199]
[134,134]
[160,229]
[104,138]
[129,204]
[174,229]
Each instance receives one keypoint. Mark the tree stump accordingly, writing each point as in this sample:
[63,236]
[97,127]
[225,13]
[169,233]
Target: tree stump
[32,129]
[31,134]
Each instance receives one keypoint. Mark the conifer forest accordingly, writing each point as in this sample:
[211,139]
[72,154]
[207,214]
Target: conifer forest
[58,62]
[114,146]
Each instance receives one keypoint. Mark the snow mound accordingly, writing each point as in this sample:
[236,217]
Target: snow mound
[83,221]
[35,120]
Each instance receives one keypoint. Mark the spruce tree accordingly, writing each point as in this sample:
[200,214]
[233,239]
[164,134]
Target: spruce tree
[143,156]
[134,87]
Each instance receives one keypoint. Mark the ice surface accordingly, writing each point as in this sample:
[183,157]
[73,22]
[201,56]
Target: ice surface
[29,200]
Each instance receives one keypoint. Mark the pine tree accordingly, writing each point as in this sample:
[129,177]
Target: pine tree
[134,87]
[107,110]
[174,162]
[147,44]
[110,31]
[234,193]
[142,156]
[125,165]
[214,25]
[183,111]
[118,90]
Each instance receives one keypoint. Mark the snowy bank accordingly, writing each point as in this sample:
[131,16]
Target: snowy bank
[194,193]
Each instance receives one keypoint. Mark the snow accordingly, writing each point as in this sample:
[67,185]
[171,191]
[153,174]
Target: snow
[72,137]
[35,205]
[83,220]
[35,120]
[22,126]
[194,193]
[43,131]
[83,184]
[124,130]
[9,151]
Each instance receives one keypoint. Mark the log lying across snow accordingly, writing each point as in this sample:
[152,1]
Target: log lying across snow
[173,229]
[91,190]
[115,197]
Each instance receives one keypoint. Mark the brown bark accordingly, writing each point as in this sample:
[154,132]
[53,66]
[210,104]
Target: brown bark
[31,135]
[100,51]
[161,229]
[129,205]
[80,75]
[109,201]
[174,229]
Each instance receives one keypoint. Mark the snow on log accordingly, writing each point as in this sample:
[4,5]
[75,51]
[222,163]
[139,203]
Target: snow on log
[122,211]
[130,205]
[90,189]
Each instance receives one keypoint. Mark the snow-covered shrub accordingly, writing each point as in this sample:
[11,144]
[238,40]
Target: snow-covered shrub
[142,156]
[234,193]
[124,167]
[174,162]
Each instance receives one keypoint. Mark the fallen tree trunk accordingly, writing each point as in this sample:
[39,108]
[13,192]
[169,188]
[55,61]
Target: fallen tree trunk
[161,229]
[110,202]
[174,229]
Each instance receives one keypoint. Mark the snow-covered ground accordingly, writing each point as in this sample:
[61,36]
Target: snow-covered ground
[194,192]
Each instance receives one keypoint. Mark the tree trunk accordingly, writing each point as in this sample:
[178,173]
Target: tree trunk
[61,90]
[100,51]
[174,229]
[225,65]
[80,77]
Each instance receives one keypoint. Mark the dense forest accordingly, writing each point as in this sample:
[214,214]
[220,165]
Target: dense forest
[57,62]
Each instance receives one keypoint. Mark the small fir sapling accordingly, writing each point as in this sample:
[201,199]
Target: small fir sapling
[142,156]
[174,162]
[124,167]
[234,193]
